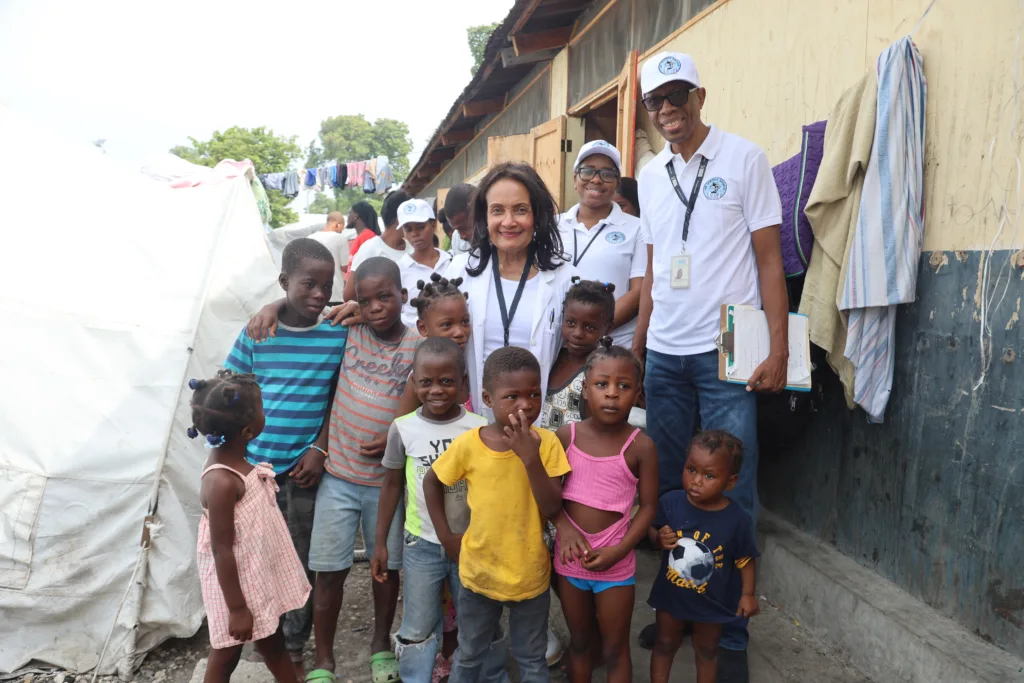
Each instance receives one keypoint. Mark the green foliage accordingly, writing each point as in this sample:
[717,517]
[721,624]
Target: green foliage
[343,200]
[280,214]
[269,153]
[478,36]
[353,138]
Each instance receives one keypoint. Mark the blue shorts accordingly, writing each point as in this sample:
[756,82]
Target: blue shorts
[341,509]
[596,587]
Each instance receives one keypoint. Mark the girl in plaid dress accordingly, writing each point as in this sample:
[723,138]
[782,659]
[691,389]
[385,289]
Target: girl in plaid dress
[248,568]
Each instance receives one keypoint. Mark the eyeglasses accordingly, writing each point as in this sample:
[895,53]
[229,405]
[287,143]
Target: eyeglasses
[608,175]
[677,98]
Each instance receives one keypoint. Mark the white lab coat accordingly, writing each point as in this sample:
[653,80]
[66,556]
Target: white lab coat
[546,311]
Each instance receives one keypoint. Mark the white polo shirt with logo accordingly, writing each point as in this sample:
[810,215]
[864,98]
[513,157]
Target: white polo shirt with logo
[737,196]
[412,272]
[617,253]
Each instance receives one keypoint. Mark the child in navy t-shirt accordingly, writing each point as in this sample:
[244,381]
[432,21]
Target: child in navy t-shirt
[707,571]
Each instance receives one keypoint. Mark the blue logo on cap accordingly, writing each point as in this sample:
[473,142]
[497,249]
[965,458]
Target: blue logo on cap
[410,209]
[669,65]
[615,237]
[715,188]
[599,143]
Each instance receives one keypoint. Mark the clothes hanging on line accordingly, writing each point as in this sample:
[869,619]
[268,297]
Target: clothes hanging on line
[385,178]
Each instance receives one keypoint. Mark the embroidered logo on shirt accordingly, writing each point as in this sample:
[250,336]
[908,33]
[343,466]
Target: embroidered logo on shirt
[615,237]
[669,65]
[715,188]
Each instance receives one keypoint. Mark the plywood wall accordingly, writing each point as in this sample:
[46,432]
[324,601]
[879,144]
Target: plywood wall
[771,66]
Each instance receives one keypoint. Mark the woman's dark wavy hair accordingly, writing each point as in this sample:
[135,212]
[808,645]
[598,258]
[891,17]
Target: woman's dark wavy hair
[546,249]
[367,215]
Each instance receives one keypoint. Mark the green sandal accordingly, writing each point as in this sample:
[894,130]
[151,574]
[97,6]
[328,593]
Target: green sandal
[321,676]
[384,668]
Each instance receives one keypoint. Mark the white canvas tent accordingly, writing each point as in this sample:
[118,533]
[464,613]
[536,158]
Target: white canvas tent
[128,290]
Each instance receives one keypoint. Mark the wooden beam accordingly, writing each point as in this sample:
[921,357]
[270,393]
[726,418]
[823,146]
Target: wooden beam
[508,57]
[428,169]
[524,43]
[441,154]
[452,137]
[524,16]
[483,107]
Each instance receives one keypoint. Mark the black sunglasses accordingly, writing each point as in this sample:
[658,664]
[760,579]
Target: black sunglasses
[677,98]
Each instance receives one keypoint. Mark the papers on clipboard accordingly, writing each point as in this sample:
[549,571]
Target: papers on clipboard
[744,342]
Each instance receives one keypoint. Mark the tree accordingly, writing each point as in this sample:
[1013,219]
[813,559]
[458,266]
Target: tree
[478,37]
[269,153]
[343,201]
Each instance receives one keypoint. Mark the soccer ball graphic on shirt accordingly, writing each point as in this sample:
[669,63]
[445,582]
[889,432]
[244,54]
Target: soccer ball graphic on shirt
[692,560]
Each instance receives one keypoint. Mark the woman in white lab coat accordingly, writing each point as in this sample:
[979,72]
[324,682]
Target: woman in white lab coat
[516,245]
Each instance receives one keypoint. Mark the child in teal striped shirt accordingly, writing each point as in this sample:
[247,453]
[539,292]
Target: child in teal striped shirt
[297,372]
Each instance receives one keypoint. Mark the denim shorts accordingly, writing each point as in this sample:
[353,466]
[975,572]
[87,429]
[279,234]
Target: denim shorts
[341,509]
[596,587]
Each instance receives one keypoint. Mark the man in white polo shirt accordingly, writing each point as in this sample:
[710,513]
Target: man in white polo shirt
[710,212]
[600,239]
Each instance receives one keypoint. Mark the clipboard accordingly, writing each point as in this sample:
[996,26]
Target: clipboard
[743,344]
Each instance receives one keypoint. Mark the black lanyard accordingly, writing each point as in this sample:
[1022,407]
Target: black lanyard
[576,259]
[508,314]
[692,201]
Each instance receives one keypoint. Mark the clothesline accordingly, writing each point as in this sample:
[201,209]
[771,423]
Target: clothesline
[374,176]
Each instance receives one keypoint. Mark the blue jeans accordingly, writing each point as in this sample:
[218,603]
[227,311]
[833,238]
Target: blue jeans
[479,621]
[426,566]
[679,389]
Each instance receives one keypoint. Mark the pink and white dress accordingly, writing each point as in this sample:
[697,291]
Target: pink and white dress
[269,571]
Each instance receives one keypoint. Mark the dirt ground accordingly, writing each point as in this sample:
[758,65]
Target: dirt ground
[781,650]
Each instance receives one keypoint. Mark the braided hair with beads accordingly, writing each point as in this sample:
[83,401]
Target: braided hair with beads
[431,292]
[223,406]
[606,349]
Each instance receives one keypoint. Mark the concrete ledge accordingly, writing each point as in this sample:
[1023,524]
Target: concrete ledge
[888,635]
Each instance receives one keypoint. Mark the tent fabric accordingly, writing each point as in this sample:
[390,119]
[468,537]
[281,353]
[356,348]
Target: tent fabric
[108,310]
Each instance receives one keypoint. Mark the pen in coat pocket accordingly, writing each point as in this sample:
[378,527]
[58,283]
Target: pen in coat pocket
[551,321]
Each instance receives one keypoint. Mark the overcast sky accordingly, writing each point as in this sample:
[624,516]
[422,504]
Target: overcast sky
[147,75]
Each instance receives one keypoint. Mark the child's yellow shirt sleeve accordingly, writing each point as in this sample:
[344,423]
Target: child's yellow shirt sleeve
[451,466]
[552,454]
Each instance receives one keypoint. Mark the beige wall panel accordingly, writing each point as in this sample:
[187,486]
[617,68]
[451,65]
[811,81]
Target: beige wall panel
[771,66]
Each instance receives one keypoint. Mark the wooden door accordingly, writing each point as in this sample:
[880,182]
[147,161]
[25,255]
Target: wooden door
[549,155]
[510,148]
[625,138]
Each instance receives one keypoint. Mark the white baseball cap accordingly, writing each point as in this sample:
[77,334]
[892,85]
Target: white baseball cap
[666,67]
[414,211]
[599,147]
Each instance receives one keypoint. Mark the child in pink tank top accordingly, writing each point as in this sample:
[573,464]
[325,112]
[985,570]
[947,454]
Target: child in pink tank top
[594,557]
[249,572]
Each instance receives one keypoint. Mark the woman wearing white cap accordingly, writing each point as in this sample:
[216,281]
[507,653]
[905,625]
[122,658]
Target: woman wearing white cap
[390,243]
[416,221]
[601,240]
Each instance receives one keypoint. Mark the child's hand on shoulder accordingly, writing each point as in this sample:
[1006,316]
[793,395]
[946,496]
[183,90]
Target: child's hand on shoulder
[667,537]
[240,624]
[521,439]
[748,607]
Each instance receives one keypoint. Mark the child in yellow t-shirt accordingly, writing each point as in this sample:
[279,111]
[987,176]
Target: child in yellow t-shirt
[514,475]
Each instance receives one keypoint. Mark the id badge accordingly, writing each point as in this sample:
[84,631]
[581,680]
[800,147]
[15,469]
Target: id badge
[680,272]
